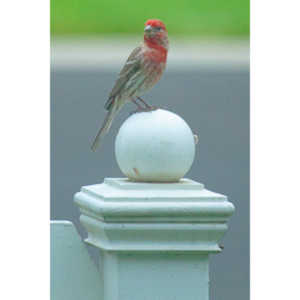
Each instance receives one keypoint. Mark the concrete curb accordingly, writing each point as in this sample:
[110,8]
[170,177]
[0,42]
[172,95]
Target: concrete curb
[111,53]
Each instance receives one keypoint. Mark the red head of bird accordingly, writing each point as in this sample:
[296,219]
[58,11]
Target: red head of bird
[156,35]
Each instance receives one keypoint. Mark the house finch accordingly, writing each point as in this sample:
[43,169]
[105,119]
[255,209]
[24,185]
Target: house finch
[140,73]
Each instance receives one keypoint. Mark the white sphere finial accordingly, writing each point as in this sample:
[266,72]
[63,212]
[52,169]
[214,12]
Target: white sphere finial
[155,146]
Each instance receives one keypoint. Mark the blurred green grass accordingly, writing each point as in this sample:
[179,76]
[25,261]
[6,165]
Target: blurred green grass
[188,18]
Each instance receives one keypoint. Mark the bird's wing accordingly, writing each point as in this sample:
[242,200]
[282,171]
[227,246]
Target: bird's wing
[130,68]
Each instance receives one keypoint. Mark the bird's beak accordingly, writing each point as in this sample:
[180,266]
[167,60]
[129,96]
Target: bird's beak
[148,29]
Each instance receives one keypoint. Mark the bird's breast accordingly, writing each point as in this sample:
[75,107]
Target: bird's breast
[152,73]
[156,56]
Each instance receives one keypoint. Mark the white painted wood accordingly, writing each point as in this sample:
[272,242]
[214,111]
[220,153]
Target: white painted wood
[155,146]
[155,276]
[74,276]
[154,238]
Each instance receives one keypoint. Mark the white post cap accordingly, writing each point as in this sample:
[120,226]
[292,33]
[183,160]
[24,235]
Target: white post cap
[121,215]
[155,146]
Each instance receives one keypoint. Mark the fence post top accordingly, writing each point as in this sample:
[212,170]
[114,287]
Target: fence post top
[121,215]
[155,146]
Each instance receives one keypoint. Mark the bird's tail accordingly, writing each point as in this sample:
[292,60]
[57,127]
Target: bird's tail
[113,110]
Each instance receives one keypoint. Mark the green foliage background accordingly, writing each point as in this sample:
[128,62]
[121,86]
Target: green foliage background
[185,17]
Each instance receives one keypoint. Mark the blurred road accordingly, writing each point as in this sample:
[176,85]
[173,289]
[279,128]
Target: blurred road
[213,101]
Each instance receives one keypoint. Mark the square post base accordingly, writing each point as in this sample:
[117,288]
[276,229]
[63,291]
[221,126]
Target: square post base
[154,238]
[154,276]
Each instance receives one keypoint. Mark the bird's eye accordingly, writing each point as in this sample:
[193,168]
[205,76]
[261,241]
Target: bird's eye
[158,28]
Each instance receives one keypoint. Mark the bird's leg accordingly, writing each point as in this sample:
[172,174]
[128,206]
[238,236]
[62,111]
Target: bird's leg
[148,107]
[143,101]
[139,107]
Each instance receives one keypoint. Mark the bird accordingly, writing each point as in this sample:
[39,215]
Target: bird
[142,70]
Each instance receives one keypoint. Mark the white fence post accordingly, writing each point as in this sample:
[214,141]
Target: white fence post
[154,238]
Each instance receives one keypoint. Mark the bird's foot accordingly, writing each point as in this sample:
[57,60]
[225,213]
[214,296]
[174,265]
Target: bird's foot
[150,108]
[143,109]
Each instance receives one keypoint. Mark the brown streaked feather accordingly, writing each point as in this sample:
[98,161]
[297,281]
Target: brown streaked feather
[131,66]
[114,109]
